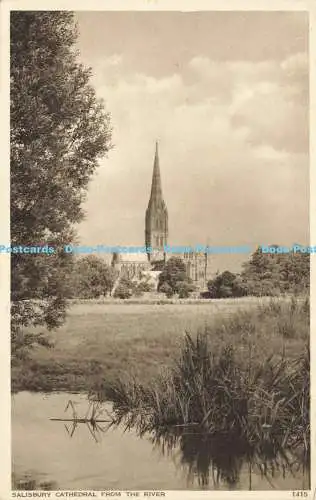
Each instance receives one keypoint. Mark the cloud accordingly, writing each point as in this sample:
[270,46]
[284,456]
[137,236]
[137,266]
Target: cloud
[296,64]
[268,98]
[233,149]
[271,154]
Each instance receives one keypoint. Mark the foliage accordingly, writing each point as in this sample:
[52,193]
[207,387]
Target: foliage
[124,289]
[92,277]
[166,288]
[30,313]
[138,292]
[128,287]
[184,288]
[143,286]
[175,276]
[275,273]
[226,284]
[122,292]
[59,130]
[263,410]
[266,274]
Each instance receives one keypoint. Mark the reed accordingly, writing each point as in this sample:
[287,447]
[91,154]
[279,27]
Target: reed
[263,404]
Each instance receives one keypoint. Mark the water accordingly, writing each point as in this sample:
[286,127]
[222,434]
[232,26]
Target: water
[116,459]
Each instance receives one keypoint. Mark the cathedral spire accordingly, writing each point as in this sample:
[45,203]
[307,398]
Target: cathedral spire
[156,190]
[156,221]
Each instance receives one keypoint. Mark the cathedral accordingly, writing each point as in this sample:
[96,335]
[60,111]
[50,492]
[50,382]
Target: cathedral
[137,265]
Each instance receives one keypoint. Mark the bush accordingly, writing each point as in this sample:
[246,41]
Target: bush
[184,288]
[166,288]
[122,291]
[226,285]
[144,287]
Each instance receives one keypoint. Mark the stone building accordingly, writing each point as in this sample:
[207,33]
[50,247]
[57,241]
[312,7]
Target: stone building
[137,265]
[131,265]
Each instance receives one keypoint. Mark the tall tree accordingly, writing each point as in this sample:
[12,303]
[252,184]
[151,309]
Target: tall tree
[59,131]
[93,277]
[226,284]
[276,272]
[175,276]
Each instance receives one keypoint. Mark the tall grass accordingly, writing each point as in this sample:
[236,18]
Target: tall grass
[228,394]
[262,402]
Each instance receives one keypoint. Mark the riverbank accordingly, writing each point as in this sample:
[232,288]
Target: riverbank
[104,342]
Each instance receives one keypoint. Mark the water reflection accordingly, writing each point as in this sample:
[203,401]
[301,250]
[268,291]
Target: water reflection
[217,460]
[211,461]
[92,419]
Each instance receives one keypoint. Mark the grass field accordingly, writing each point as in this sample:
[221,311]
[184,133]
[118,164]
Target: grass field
[113,339]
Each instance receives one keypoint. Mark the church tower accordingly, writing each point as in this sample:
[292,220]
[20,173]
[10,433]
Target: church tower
[156,224]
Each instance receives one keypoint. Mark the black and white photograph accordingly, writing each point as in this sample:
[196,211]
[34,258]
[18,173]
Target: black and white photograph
[159,251]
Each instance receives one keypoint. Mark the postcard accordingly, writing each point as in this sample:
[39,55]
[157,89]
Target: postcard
[156,250]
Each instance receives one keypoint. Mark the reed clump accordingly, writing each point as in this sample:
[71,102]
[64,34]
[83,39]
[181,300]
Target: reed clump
[262,403]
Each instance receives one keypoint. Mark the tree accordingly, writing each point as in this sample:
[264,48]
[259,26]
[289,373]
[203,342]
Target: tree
[226,284]
[295,272]
[173,273]
[59,131]
[93,277]
[174,279]
[261,273]
[276,272]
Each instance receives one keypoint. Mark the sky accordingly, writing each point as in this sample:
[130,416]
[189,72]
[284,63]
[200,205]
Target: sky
[226,96]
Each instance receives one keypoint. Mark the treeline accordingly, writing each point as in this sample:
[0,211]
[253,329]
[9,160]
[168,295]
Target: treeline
[92,277]
[265,274]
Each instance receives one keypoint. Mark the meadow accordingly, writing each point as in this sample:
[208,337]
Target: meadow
[104,340]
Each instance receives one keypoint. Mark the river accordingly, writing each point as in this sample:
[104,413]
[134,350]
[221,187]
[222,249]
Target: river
[114,459]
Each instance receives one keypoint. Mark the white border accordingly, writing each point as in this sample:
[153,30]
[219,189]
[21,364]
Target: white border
[137,5]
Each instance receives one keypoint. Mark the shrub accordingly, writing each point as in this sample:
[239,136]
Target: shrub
[144,287]
[226,285]
[184,288]
[122,291]
[166,288]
